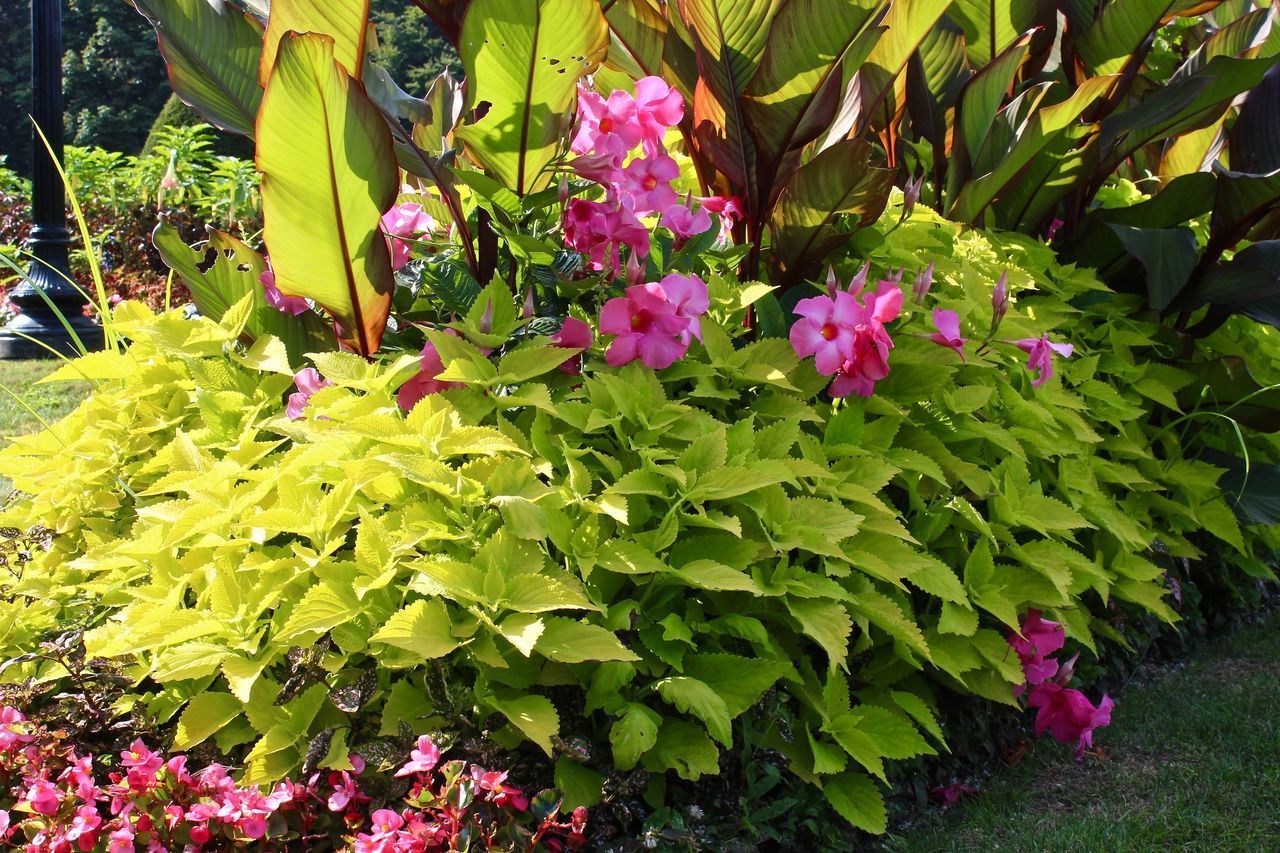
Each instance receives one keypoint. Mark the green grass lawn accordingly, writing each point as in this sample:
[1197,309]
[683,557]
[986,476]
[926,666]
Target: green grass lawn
[1192,762]
[48,402]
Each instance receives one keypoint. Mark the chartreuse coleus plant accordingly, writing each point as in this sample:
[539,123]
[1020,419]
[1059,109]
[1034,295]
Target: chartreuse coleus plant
[620,558]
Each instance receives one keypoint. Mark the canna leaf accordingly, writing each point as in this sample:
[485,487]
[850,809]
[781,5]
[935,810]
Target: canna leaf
[523,60]
[344,180]
[211,52]
[345,21]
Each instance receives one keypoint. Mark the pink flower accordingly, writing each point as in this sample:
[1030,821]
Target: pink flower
[44,797]
[574,334]
[729,210]
[911,194]
[385,820]
[922,285]
[423,759]
[1053,229]
[825,330]
[12,732]
[1068,715]
[285,304]
[868,362]
[122,839]
[85,825]
[646,183]
[684,223]
[948,334]
[598,230]
[424,382]
[308,382]
[654,322]
[1041,352]
[601,168]
[1039,638]
[609,126]
[498,793]
[999,300]
[344,791]
[401,221]
[658,107]
[949,795]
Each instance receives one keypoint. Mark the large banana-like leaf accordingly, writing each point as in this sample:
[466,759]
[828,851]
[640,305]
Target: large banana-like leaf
[345,21]
[1120,29]
[234,272]
[328,174]
[643,44]
[444,108]
[1255,138]
[729,39]
[936,73]
[840,180]
[991,26]
[983,96]
[1045,126]
[523,60]
[906,25]
[446,15]
[813,47]
[212,57]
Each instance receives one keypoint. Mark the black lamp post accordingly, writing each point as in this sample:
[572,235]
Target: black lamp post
[50,272]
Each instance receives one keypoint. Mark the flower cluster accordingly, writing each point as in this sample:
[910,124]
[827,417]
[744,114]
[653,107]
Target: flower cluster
[1064,712]
[60,801]
[609,131]
[655,321]
[847,335]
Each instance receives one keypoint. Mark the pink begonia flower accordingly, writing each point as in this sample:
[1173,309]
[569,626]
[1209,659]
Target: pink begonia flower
[424,382]
[122,839]
[44,796]
[499,793]
[949,795]
[344,791]
[138,757]
[308,382]
[294,305]
[606,126]
[646,183]
[423,759]
[11,729]
[1068,715]
[574,334]
[948,334]
[385,820]
[598,230]
[1040,361]
[357,763]
[658,107]
[868,362]
[729,210]
[85,826]
[402,221]
[684,223]
[825,330]
[655,322]
[1038,639]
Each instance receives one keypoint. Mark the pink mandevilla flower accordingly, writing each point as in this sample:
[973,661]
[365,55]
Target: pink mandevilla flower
[308,382]
[728,209]
[285,304]
[1038,638]
[948,334]
[851,335]
[607,126]
[424,382]
[1040,357]
[574,334]
[598,230]
[656,321]
[1068,715]
[646,183]
[658,107]
[403,221]
[684,223]
[422,759]
[825,330]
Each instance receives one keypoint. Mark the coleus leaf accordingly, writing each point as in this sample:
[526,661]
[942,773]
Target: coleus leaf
[341,183]
[523,59]
[211,52]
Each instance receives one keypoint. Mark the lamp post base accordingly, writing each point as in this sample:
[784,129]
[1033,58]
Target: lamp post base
[48,331]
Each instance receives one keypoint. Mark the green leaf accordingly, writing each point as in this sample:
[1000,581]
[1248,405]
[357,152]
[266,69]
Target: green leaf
[580,785]
[526,362]
[422,627]
[346,22]
[894,736]
[524,58]
[991,26]
[533,715]
[233,275]
[685,748]
[325,606]
[696,697]
[1120,29]
[634,732]
[204,716]
[739,681]
[212,52]
[827,623]
[1167,254]
[855,797]
[323,149]
[570,641]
